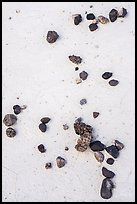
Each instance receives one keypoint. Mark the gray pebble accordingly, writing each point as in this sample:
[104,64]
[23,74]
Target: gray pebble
[106,188]
[83,101]
[10,132]
[60,162]
[9,119]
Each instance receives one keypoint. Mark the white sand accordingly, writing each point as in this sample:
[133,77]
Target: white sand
[43,78]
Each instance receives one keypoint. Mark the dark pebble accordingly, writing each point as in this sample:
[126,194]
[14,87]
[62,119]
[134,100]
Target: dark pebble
[119,145]
[10,132]
[17,109]
[124,13]
[52,36]
[75,59]
[106,188]
[76,68]
[42,127]
[113,82]
[66,148]
[77,19]
[9,119]
[93,26]
[45,120]
[90,16]
[113,151]
[48,165]
[83,75]
[106,75]
[83,101]
[95,114]
[60,162]
[41,148]
[110,161]
[107,173]
[113,14]
[97,146]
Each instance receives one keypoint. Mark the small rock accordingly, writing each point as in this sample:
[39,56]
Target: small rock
[90,16]
[113,82]
[52,36]
[83,75]
[42,127]
[95,114]
[107,173]
[66,148]
[10,132]
[102,19]
[113,14]
[107,75]
[41,148]
[17,109]
[77,19]
[23,107]
[93,26]
[119,145]
[9,119]
[99,156]
[48,165]
[76,68]
[113,151]
[78,81]
[75,59]
[110,161]
[97,146]
[122,13]
[45,120]
[60,162]
[80,148]
[106,188]
[83,101]
[65,127]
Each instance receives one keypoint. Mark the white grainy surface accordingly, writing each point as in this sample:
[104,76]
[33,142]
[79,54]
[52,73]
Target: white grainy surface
[43,78]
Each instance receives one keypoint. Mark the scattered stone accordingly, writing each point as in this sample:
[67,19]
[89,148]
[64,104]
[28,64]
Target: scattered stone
[93,26]
[60,162]
[110,161]
[113,14]
[42,127]
[119,145]
[81,127]
[83,101]
[76,68]
[113,82]
[9,119]
[23,107]
[45,120]
[106,188]
[90,16]
[75,59]
[107,173]
[83,75]
[10,18]
[95,114]
[66,148]
[17,109]
[122,13]
[97,146]
[48,165]
[102,19]
[78,81]
[107,75]
[10,132]
[41,148]
[99,156]
[52,36]
[65,127]
[77,19]
[113,151]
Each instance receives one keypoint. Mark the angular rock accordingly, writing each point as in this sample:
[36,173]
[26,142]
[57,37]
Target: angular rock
[75,59]
[52,36]
[113,14]
[42,127]
[60,162]
[106,75]
[107,173]
[113,151]
[45,120]
[119,145]
[95,114]
[77,19]
[93,27]
[97,146]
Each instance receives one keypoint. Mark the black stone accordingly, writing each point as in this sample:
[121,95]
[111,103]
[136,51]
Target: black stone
[113,14]
[95,114]
[106,75]
[75,59]
[48,165]
[107,173]
[110,161]
[90,16]
[52,36]
[97,146]
[17,109]
[83,75]
[45,120]
[113,151]
[9,119]
[42,127]
[76,68]
[77,19]
[93,26]
[106,188]
[41,148]
[10,132]
[113,82]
